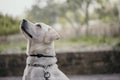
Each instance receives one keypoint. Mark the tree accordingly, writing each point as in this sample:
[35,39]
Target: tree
[107,13]
[8,25]
[52,11]
[73,11]
[119,9]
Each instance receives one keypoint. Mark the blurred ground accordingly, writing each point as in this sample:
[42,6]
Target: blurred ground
[80,77]
[96,77]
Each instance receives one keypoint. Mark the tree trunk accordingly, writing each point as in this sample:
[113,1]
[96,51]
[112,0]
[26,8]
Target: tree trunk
[87,17]
[72,25]
[119,10]
[119,13]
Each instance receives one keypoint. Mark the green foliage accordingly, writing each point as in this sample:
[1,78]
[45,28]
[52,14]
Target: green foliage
[53,10]
[107,13]
[2,47]
[6,46]
[87,41]
[50,13]
[13,46]
[23,47]
[8,25]
[80,41]
[46,15]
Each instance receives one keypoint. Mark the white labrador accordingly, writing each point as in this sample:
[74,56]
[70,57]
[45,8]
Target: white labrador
[41,60]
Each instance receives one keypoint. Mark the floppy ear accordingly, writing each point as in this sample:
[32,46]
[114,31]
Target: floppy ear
[51,35]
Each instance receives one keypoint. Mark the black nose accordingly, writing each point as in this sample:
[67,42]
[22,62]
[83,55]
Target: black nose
[24,20]
[23,23]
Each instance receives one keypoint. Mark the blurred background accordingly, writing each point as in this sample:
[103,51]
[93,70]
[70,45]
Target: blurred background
[91,24]
[89,29]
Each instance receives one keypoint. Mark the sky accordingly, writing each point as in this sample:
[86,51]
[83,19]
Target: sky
[15,8]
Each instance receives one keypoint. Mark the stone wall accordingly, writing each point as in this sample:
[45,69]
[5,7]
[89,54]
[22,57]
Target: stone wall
[71,63]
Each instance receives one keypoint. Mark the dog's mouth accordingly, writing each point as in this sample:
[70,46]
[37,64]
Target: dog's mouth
[23,27]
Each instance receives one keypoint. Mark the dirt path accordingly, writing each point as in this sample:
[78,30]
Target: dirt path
[80,77]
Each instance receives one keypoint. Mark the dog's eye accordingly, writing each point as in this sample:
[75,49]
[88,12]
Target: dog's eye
[38,25]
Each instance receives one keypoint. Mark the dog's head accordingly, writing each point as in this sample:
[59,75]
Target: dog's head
[39,32]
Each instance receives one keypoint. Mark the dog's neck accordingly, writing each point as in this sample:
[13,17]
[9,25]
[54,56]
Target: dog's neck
[40,48]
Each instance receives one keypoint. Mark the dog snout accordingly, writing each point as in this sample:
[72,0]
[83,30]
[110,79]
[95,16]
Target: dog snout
[24,27]
[24,20]
[24,23]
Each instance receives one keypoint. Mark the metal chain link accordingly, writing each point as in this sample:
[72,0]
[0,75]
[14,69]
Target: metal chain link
[46,73]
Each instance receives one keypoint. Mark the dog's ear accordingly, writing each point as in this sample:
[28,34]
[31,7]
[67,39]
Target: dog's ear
[51,35]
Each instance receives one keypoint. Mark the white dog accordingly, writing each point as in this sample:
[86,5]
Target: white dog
[41,60]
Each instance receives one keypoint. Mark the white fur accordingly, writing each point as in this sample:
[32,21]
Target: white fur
[42,42]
